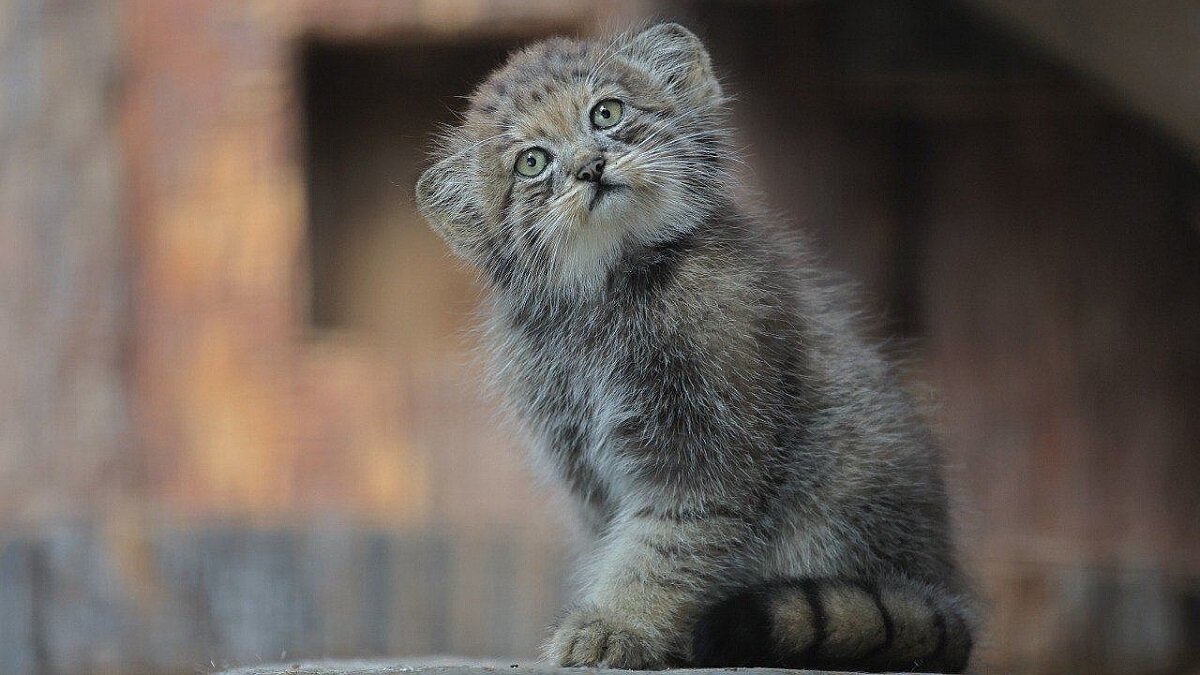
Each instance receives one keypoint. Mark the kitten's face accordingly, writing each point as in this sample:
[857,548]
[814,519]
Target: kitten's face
[575,153]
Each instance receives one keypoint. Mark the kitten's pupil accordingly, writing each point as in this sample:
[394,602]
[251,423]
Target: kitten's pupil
[530,160]
[604,112]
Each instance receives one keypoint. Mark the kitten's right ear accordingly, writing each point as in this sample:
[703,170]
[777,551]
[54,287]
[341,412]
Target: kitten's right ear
[674,54]
[446,201]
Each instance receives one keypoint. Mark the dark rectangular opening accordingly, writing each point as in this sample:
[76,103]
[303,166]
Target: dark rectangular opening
[370,113]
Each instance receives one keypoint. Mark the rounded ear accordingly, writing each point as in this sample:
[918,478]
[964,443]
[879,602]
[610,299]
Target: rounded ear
[675,56]
[447,202]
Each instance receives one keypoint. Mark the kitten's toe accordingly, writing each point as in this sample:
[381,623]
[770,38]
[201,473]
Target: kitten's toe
[588,638]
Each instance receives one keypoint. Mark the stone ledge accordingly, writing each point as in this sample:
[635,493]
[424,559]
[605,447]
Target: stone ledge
[466,667]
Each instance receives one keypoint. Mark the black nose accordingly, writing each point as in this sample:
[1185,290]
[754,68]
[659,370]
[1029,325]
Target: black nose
[591,170]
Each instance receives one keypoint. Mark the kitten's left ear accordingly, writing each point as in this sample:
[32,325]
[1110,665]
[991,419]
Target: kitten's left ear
[678,58]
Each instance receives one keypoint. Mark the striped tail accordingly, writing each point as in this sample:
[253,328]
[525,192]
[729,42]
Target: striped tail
[892,625]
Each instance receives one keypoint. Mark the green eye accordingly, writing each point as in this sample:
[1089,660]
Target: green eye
[607,113]
[532,162]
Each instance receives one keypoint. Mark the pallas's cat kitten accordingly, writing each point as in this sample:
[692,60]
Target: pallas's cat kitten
[756,487]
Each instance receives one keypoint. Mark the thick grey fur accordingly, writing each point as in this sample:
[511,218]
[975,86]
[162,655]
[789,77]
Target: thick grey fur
[691,376]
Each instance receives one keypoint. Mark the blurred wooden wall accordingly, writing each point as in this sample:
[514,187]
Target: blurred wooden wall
[63,265]
[246,416]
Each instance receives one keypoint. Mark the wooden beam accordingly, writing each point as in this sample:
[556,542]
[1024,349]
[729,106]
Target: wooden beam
[1148,53]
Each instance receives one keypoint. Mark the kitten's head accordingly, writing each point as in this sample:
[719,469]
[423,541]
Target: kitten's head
[575,154]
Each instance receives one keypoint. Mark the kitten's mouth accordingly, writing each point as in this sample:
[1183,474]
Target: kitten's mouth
[602,189]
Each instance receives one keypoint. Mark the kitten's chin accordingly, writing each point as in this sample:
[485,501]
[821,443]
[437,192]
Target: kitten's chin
[584,262]
[620,214]
[592,245]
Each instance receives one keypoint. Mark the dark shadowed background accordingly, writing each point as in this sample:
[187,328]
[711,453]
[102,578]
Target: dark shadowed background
[241,421]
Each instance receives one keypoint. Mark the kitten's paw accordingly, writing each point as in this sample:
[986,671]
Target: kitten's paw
[592,638]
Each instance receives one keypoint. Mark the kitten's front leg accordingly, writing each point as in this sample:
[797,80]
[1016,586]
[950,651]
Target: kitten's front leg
[652,576]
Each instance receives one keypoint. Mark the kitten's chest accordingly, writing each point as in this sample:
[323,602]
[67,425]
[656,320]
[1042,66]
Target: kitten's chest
[567,372]
[563,381]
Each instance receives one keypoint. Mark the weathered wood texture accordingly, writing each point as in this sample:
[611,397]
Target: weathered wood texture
[63,300]
[244,403]
[158,598]
[310,465]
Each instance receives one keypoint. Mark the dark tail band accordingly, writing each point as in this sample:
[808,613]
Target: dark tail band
[895,624]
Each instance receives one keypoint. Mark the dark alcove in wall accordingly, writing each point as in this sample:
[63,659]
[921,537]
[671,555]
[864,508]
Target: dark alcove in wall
[370,112]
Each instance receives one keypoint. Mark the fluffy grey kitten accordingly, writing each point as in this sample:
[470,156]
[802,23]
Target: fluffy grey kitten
[758,488]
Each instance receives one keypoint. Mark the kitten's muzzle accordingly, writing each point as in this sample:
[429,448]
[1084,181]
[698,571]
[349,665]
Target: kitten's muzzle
[591,170]
[602,189]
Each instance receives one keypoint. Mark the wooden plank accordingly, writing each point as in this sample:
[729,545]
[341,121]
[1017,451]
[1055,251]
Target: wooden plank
[209,596]
[63,277]
[21,651]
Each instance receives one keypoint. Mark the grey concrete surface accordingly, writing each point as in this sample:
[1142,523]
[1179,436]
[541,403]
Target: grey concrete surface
[443,666]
